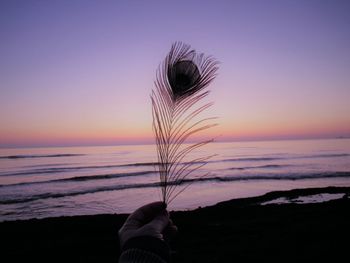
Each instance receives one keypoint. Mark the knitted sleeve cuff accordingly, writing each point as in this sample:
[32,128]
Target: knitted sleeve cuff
[135,255]
[145,249]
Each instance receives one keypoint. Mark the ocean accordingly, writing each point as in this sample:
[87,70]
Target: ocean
[66,181]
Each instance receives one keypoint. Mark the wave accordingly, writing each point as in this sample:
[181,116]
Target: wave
[77,192]
[82,178]
[331,155]
[290,176]
[139,164]
[258,159]
[47,165]
[74,168]
[39,156]
[185,181]
[250,159]
[142,164]
[259,167]
[118,175]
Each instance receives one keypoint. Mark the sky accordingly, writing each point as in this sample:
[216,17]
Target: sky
[81,72]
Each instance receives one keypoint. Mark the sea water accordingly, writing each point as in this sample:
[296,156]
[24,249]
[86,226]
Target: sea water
[64,181]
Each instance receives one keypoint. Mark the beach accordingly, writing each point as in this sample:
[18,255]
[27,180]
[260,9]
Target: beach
[237,230]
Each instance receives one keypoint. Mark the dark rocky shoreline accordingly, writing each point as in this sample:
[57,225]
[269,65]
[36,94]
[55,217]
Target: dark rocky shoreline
[232,231]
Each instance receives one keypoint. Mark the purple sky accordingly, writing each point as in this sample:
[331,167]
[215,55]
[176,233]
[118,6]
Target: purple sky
[80,72]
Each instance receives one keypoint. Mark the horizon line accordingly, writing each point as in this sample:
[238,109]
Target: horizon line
[128,143]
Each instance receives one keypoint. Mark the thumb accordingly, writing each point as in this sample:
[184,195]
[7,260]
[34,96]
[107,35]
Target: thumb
[159,223]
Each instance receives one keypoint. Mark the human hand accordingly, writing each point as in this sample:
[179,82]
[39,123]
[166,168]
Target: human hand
[149,220]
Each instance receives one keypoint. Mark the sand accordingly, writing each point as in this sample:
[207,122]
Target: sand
[232,231]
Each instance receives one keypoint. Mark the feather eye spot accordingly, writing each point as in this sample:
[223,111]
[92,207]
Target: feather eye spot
[182,76]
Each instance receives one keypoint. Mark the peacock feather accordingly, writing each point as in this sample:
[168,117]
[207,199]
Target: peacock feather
[180,86]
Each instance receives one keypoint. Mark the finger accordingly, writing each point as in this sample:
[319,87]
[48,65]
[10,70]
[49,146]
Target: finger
[170,231]
[171,225]
[159,223]
[145,213]
[173,228]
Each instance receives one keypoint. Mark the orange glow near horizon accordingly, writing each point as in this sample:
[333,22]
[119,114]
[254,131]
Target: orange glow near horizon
[284,69]
[145,135]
